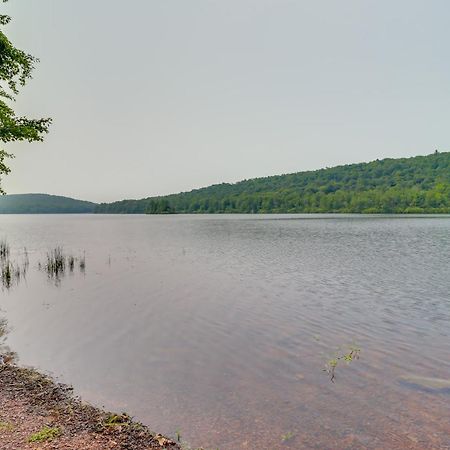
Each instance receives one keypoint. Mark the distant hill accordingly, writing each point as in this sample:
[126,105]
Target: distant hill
[408,185]
[43,204]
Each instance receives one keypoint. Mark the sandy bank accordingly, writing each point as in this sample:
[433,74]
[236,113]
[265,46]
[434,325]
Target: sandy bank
[38,413]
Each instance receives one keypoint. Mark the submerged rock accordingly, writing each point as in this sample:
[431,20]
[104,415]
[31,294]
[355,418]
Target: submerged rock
[429,384]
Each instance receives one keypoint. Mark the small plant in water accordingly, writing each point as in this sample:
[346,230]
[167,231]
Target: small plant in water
[183,444]
[46,434]
[26,261]
[83,263]
[71,262]
[287,436]
[351,355]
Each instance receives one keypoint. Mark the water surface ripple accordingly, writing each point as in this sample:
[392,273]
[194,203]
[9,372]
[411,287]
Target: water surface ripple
[220,326]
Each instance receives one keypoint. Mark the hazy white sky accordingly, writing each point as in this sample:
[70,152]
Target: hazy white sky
[159,96]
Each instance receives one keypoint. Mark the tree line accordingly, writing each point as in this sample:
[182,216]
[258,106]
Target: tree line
[407,185]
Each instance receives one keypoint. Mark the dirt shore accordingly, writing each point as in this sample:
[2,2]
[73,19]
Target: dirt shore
[38,413]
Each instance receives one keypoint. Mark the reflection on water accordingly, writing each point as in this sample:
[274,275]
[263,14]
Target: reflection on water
[220,326]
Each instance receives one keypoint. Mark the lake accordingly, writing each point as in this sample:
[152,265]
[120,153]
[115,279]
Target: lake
[220,327]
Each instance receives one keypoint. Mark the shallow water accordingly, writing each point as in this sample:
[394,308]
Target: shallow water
[220,326]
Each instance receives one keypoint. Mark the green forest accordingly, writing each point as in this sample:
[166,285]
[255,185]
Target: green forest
[43,204]
[419,184]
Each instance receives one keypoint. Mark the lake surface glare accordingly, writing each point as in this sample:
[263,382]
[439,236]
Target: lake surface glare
[219,327]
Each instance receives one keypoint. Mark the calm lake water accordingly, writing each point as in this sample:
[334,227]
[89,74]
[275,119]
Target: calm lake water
[220,326]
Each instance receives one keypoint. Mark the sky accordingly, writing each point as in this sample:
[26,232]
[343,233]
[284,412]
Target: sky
[152,97]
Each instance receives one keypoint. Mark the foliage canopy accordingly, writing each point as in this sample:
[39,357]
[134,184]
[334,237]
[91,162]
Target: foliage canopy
[16,67]
[406,185]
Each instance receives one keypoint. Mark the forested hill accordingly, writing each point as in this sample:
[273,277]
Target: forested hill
[43,204]
[408,185]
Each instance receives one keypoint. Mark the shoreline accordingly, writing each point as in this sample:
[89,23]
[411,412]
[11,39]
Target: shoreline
[36,412]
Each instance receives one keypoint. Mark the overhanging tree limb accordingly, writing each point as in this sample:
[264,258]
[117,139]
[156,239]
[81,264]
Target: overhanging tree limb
[16,67]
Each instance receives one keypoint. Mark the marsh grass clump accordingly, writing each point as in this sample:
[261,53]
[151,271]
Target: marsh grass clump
[7,274]
[5,264]
[45,434]
[11,272]
[58,263]
[4,249]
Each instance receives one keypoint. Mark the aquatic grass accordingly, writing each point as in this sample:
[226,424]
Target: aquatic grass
[4,249]
[71,262]
[11,272]
[45,434]
[17,272]
[26,261]
[7,274]
[58,263]
[83,263]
